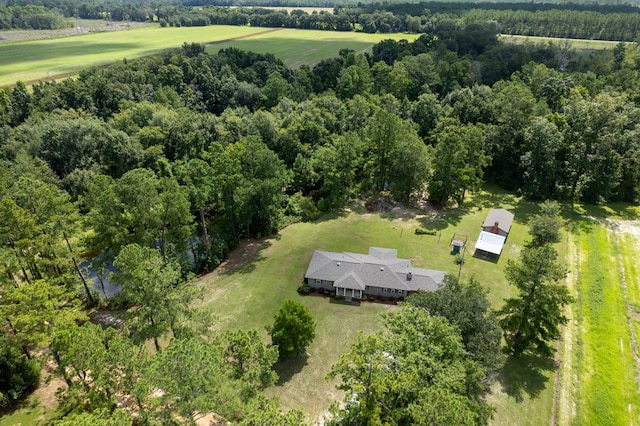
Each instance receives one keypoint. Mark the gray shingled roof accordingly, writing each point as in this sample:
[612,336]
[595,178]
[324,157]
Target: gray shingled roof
[502,216]
[380,268]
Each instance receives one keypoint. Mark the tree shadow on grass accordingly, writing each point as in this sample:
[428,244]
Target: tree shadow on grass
[289,367]
[526,375]
[244,258]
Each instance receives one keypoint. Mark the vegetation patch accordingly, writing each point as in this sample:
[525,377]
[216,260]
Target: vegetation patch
[604,367]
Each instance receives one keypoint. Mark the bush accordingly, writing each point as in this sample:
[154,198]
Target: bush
[339,297]
[304,290]
[423,231]
[459,259]
[18,375]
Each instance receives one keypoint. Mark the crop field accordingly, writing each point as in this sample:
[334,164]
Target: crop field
[600,383]
[62,57]
[247,296]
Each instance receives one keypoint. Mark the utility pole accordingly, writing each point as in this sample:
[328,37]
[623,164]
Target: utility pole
[464,250]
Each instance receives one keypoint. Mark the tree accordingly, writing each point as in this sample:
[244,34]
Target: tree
[545,226]
[248,359]
[414,372]
[160,297]
[137,208]
[33,312]
[539,163]
[293,328]
[18,374]
[189,372]
[466,306]
[532,319]
[458,162]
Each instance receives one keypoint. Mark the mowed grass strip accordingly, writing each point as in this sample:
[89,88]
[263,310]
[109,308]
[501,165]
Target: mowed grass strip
[48,58]
[247,296]
[604,367]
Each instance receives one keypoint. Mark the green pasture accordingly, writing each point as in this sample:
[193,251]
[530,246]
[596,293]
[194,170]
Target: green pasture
[603,387]
[308,47]
[249,295]
[62,57]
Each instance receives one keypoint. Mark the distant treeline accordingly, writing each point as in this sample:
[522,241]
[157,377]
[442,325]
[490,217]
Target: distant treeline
[31,18]
[586,21]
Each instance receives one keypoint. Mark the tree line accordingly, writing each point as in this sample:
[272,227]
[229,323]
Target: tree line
[582,21]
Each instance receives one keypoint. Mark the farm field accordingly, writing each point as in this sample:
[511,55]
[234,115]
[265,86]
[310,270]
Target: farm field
[63,57]
[247,296]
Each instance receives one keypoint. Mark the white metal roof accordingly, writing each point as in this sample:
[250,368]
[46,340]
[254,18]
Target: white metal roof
[491,243]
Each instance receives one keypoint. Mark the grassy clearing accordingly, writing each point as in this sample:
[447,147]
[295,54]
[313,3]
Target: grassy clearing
[308,47]
[248,296]
[48,58]
[578,44]
[604,375]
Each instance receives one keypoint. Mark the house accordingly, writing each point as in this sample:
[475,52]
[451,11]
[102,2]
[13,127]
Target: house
[498,221]
[379,273]
[495,230]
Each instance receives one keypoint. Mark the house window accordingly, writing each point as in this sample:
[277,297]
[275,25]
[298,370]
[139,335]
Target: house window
[318,282]
[392,291]
[385,290]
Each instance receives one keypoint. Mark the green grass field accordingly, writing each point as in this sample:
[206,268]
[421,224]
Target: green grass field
[65,56]
[601,385]
[249,295]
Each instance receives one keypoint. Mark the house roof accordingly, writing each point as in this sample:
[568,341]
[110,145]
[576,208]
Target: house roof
[380,268]
[489,242]
[502,216]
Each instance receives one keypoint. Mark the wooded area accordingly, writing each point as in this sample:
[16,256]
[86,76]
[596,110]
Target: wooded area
[154,169]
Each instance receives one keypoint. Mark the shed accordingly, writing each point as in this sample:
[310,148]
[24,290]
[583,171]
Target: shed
[498,222]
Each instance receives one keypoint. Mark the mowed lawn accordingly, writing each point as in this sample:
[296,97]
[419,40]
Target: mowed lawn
[248,296]
[603,385]
[308,47]
[48,58]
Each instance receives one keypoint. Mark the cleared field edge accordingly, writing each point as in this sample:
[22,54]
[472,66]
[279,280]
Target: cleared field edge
[565,386]
[602,377]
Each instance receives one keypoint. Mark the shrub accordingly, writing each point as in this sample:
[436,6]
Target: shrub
[423,231]
[304,290]
[339,297]
[18,375]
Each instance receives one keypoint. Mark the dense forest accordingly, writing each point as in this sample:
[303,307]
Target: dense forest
[582,21]
[154,169]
